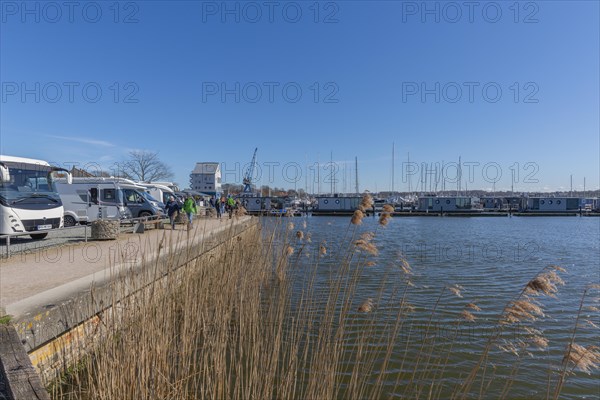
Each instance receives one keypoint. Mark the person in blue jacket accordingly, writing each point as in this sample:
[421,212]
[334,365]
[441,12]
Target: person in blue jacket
[173,208]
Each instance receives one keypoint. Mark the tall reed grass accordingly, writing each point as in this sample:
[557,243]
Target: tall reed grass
[254,319]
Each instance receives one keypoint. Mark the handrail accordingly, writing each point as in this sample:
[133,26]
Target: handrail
[7,236]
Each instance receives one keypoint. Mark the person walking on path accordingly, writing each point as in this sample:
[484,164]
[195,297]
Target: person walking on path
[217,206]
[189,206]
[223,205]
[230,205]
[173,208]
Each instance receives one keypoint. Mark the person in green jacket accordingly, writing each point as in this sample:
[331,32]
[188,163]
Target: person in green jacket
[189,207]
[230,205]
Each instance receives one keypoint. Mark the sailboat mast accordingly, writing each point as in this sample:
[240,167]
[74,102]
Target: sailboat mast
[409,175]
[356,173]
[393,168]
[332,172]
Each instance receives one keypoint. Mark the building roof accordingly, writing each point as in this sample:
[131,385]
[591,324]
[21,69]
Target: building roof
[206,168]
[80,173]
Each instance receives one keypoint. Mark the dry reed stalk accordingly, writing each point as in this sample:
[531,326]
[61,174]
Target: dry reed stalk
[521,309]
[233,326]
[583,358]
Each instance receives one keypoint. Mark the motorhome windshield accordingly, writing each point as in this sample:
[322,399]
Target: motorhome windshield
[28,184]
[148,196]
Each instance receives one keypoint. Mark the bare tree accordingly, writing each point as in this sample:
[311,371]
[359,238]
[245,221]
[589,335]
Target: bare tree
[145,166]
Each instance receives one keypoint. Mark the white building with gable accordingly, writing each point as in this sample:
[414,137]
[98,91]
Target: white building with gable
[206,178]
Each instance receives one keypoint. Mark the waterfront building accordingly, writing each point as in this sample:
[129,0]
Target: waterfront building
[206,178]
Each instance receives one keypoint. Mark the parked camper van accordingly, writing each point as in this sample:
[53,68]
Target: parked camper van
[89,199]
[158,191]
[29,201]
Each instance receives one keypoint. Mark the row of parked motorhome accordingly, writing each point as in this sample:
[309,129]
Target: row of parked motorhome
[87,199]
[36,197]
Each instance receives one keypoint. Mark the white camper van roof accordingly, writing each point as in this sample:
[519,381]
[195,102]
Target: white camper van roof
[112,179]
[23,160]
[160,186]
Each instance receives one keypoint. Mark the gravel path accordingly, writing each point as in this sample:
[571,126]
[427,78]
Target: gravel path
[55,237]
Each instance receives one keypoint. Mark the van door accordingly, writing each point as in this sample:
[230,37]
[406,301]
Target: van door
[93,210]
[110,203]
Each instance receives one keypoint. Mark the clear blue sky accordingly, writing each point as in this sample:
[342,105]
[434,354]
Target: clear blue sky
[378,66]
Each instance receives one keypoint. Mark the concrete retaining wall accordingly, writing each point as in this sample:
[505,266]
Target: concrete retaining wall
[55,325]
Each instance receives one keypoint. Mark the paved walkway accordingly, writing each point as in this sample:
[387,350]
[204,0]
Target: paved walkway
[35,278]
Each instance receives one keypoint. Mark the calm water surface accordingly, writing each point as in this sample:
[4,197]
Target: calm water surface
[492,259]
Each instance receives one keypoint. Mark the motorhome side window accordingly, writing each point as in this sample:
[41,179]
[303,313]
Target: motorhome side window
[109,195]
[94,195]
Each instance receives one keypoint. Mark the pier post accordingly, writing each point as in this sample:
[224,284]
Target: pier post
[18,377]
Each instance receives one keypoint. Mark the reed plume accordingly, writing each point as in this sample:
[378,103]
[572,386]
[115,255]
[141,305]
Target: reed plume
[357,217]
[456,290]
[467,316]
[366,306]
[583,358]
[365,243]
[322,249]
[366,203]
[522,310]
[388,208]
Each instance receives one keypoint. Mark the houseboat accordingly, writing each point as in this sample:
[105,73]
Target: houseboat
[268,205]
[553,204]
[497,203]
[444,204]
[336,205]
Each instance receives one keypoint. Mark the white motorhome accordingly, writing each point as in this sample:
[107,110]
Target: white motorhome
[158,191]
[171,185]
[29,201]
[88,199]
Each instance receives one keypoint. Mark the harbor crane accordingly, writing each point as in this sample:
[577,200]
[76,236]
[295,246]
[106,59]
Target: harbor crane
[248,175]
